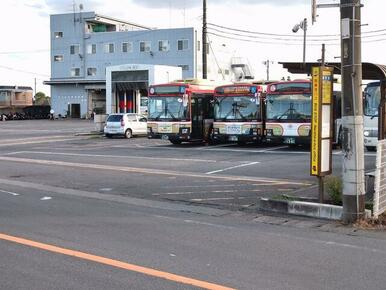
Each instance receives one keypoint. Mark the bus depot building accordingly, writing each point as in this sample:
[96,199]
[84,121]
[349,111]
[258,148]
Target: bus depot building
[103,65]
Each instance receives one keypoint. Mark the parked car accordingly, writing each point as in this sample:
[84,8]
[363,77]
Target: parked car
[128,125]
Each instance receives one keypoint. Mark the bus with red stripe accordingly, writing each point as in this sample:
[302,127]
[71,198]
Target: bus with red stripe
[181,111]
[288,112]
[238,115]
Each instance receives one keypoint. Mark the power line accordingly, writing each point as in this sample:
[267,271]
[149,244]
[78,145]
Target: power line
[290,35]
[272,38]
[265,42]
[23,71]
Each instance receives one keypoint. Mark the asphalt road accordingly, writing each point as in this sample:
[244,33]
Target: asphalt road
[119,204]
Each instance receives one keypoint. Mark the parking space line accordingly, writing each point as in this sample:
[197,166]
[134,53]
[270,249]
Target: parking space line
[115,156]
[203,191]
[147,171]
[217,198]
[10,192]
[113,263]
[233,167]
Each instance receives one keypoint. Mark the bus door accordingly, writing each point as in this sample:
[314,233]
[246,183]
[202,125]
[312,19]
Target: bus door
[197,117]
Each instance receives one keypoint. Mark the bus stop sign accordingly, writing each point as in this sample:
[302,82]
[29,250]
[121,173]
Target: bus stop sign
[321,121]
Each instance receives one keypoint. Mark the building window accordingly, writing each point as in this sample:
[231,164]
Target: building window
[91,71]
[127,46]
[58,34]
[144,46]
[182,44]
[58,58]
[75,72]
[74,49]
[184,66]
[109,47]
[91,48]
[163,45]
[227,72]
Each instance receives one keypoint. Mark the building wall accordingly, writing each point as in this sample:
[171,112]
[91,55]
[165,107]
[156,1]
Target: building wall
[15,97]
[75,31]
[63,95]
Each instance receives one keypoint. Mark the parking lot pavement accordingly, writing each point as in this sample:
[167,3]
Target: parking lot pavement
[224,176]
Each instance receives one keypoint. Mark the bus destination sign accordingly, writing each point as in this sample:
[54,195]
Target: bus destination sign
[167,90]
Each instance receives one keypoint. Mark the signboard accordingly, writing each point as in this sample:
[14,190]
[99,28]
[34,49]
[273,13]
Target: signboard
[321,121]
[380,181]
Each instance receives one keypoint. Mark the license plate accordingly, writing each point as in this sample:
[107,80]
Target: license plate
[233,129]
[289,140]
[233,138]
[165,137]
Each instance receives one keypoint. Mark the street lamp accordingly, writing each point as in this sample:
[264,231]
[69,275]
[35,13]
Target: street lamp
[302,25]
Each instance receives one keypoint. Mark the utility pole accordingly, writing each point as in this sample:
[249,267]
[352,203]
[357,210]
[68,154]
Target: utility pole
[266,63]
[204,43]
[352,111]
[35,88]
[304,40]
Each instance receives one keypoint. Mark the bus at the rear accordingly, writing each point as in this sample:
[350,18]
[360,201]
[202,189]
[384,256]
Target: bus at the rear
[288,112]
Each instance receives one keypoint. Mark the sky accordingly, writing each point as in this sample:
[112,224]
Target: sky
[259,30]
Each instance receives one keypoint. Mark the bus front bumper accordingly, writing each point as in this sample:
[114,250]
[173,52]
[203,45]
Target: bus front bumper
[169,136]
[235,138]
[289,140]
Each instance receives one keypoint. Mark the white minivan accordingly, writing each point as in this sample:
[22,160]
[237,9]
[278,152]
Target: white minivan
[125,124]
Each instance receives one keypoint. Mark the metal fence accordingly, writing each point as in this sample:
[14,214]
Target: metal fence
[380,180]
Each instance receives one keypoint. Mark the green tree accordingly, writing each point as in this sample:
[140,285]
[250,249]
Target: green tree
[42,100]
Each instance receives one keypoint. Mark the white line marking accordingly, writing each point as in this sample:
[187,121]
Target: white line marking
[233,167]
[204,191]
[37,142]
[10,192]
[274,148]
[217,198]
[46,198]
[148,171]
[116,156]
[106,189]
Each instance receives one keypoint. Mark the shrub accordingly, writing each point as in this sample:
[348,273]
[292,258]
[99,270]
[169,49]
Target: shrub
[334,188]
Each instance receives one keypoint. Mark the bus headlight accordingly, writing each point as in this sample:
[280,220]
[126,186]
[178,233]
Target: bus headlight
[370,133]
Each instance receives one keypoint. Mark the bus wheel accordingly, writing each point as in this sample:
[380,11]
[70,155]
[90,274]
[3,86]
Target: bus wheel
[175,142]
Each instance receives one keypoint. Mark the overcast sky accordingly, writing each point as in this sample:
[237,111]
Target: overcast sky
[24,33]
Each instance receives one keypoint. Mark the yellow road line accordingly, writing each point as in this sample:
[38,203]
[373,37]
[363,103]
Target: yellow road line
[149,171]
[115,263]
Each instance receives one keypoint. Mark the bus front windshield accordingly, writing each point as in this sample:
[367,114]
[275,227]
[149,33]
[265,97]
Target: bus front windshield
[240,108]
[372,100]
[167,108]
[289,107]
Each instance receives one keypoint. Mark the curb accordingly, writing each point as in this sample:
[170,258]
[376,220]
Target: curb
[92,133]
[302,208]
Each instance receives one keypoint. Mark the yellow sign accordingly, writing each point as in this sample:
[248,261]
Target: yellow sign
[327,76]
[315,121]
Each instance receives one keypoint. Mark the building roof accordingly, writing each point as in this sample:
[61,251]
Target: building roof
[370,71]
[10,88]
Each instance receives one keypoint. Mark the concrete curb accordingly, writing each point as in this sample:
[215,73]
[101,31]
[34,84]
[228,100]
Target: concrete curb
[92,133]
[302,208]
